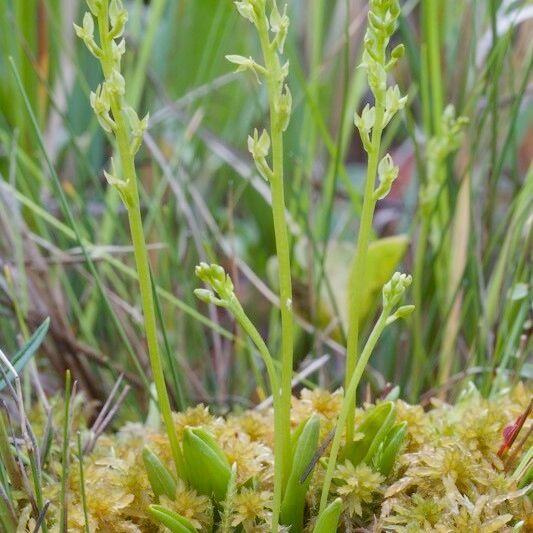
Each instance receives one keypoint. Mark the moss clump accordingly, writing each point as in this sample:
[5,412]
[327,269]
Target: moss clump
[448,476]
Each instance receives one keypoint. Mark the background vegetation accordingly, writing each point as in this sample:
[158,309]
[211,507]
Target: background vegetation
[203,200]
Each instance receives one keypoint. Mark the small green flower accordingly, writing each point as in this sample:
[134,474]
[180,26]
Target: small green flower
[387,173]
[118,17]
[279,25]
[247,63]
[101,104]
[394,102]
[259,147]
[284,102]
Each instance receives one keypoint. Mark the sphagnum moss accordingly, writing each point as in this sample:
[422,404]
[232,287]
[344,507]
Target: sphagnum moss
[446,477]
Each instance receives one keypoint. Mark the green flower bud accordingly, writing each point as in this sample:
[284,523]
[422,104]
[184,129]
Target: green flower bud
[396,54]
[215,276]
[284,107]
[329,518]
[171,520]
[259,147]
[160,478]
[393,290]
[402,312]
[207,468]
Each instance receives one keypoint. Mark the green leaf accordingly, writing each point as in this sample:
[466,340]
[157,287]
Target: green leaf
[22,357]
[292,507]
[382,260]
[161,480]
[328,520]
[375,428]
[207,468]
[388,452]
[171,520]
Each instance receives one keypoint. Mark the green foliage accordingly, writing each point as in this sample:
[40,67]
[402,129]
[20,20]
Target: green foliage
[206,467]
[293,504]
[329,518]
[374,431]
[160,478]
[454,199]
[171,520]
[24,355]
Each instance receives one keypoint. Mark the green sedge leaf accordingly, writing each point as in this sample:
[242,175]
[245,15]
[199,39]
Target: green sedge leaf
[328,520]
[161,480]
[374,427]
[207,468]
[22,357]
[293,504]
[171,520]
[387,454]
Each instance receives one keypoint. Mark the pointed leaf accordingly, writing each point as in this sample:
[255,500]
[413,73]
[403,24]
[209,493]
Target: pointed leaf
[160,478]
[170,519]
[328,520]
[22,357]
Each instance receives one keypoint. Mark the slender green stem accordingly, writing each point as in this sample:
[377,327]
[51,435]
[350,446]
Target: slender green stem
[65,463]
[418,339]
[279,441]
[139,246]
[282,243]
[349,402]
[147,301]
[357,274]
[82,485]
[431,25]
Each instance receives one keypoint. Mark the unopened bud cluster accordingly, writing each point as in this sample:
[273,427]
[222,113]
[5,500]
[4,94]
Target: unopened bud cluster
[393,292]
[215,277]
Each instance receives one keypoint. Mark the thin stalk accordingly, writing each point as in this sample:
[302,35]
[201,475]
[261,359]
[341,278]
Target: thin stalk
[282,246]
[279,436]
[349,402]
[418,338]
[140,250]
[357,274]
[82,484]
[63,518]
[431,25]
[8,461]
